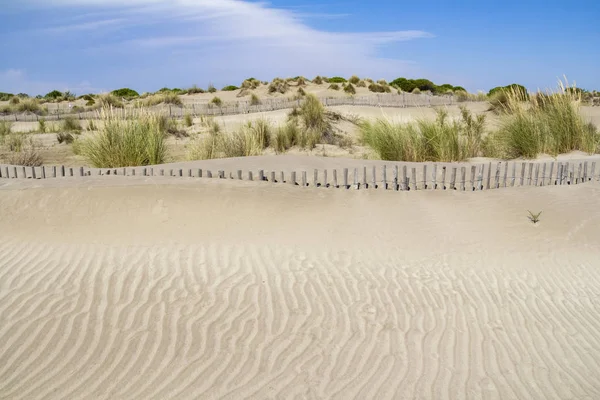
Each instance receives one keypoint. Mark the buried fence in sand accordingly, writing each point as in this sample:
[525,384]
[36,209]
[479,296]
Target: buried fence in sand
[245,107]
[398,177]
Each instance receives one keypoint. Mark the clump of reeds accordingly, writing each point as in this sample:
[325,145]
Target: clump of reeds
[278,85]
[163,98]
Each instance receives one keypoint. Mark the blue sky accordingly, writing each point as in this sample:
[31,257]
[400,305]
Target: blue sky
[99,45]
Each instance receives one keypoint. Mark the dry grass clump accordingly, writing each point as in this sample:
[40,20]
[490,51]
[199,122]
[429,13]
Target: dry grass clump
[5,128]
[550,123]
[14,100]
[22,150]
[301,81]
[416,91]
[195,89]
[64,137]
[216,101]
[108,100]
[188,120]
[278,86]
[250,140]
[138,140]
[318,80]
[354,80]
[163,98]
[382,82]
[250,83]
[29,105]
[439,140]
[254,100]
[70,124]
[334,86]
[211,88]
[361,83]
[379,88]
[350,89]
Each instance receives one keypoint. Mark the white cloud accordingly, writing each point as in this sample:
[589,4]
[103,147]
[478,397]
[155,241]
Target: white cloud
[222,40]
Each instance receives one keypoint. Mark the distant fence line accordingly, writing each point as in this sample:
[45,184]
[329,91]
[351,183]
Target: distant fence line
[396,177]
[266,105]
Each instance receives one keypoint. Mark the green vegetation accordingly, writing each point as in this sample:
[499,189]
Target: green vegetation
[53,95]
[108,100]
[439,140]
[23,151]
[5,96]
[124,93]
[354,80]
[337,79]
[250,84]
[195,89]
[379,88]
[254,100]
[64,137]
[514,87]
[165,97]
[409,85]
[216,101]
[211,88]
[230,88]
[318,80]
[139,140]
[549,123]
[70,124]
[334,86]
[350,89]
[188,120]
[534,217]
[278,86]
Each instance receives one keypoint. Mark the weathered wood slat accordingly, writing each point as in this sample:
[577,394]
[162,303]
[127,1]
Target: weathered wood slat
[593,170]
[385,184]
[335,179]
[443,182]
[374,178]
[413,174]
[473,177]
[543,181]
[404,178]
[396,186]
[522,182]
[505,174]
[537,173]
[304,182]
[453,179]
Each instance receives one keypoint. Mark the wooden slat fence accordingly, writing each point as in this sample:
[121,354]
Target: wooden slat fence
[404,177]
[245,107]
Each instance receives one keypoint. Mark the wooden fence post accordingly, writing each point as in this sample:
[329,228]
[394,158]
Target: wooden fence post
[529,174]
[473,179]
[497,176]
[550,181]
[335,179]
[453,179]
[62,171]
[537,173]
[209,173]
[396,186]
[505,174]
[355,178]
[272,177]
[316,177]
[413,174]
[514,174]
[593,170]
[543,181]
[463,172]
[239,174]
[282,177]
[385,185]
[578,173]
[364,180]
[43,172]
[345,178]
[585,171]
[293,178]
[404,178]
[560,174]
[374,178]
[489,176]
[251,177]
[33,173]
[304,183]
[522,174]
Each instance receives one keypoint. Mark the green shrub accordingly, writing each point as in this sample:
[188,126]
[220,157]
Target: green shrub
[334,86]
[230,88]
[125,93]
[54,95]
[195,89]
[416,91]
[361,84]
[250,84]
[217,101]
[211,88]
[6,96]
[318,80]
[337,79]
[139,140]
[14,100]
[285,137]
[108,100]
[514,87]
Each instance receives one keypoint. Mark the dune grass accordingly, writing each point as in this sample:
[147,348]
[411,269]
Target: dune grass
[188,120]
[250,140]
[425,140]
[138,140]
[549,123]
[70,124]
[163,98]
[254,99]
[108,100]
[23,150]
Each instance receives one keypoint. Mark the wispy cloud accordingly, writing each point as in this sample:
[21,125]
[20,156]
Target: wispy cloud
[221,41]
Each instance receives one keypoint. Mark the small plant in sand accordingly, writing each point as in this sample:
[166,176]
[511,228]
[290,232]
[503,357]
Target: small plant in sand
[91,126]
[379,88]
[216,101]
[230,88]
[534,217]
[188,120]
[211,88]
[416,91]
[337,79]
[164,97]
[350,89]
[5,128]
[250,84]
[334,86]
[361,84]
[318,80]
[254,100]
[301,92]
[301,81]
[137,140]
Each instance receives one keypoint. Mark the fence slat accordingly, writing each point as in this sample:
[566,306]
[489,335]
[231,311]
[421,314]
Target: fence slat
[585,171]
[473,177]
[404,178]
[514,174]
[550,182]
[434,184]
[593,170]
[374,177]
[463,173]
[396,187]
[543,181]
[425,176]
[385,185]
[443,182]
[537,173]
[304,183]
[355,179]
[325,184]
[579,167]
[529,174]
[345,177]
[453,179]
[505,174]
[335,179]
[489,176]
[523,165]
[364,181]
[414,179]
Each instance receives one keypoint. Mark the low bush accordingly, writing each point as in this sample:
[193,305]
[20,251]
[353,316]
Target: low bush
[278,86]
[379,88]
[216,101]
[108,100]
[334,86]
[70,124]
[64,137]
[163,98]
[350,89]
[230,88]
[29,105]
[254,100]
[188,120]
[5,128]
[26,154]
[250,83]
[125,93]
[337,79]
[195,89]
[318,80]
[211,88]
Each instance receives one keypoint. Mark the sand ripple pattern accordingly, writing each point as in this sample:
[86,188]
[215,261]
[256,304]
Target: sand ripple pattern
[225,322]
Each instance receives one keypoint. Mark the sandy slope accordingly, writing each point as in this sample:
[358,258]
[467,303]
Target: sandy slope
[131,289]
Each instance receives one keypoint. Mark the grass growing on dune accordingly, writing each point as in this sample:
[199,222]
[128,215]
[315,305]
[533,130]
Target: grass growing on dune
[548,123]
[424,140]
[139,140]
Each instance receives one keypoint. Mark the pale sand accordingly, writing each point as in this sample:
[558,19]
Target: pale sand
[187,289]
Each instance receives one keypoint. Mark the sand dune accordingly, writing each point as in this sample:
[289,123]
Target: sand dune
[134,288]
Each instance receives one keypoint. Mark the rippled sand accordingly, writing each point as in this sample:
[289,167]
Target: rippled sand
[149,289]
